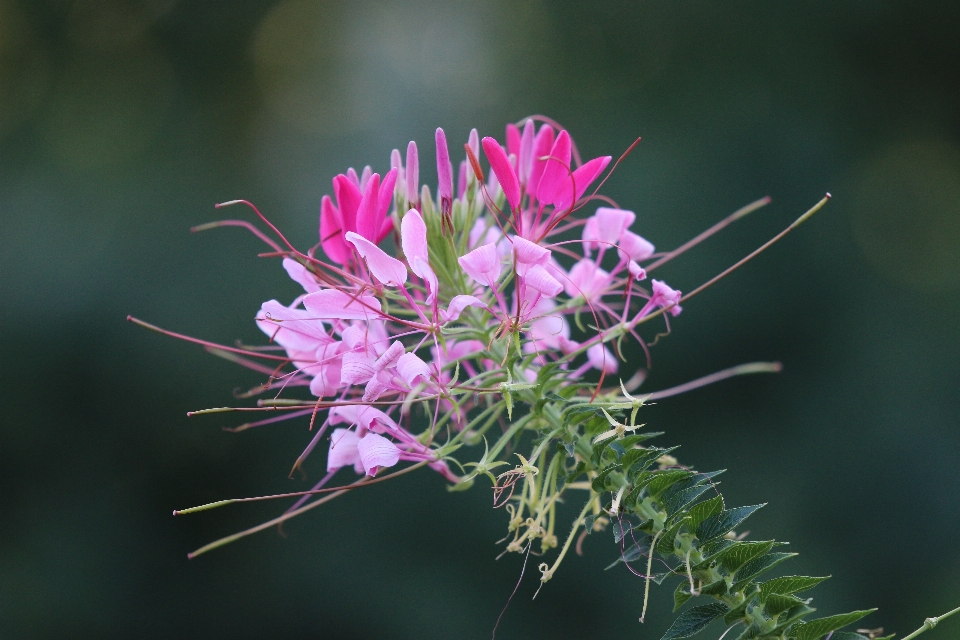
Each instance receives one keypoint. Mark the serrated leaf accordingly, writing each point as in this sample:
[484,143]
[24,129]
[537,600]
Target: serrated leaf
[757,566]
[665,544]
[695,620]
[791,617]
[739,611]
[787,585]
[621,529]
[725,521]
[816,629]
[681,595]
[700,512]
[678,501]
[617,447]
[777,604]
[636,460]
[718,588]
[733,559]
[850,635]
[630,554]
[599,482]
[663,479]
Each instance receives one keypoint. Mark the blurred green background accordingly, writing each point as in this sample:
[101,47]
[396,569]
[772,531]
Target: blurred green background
[121,123]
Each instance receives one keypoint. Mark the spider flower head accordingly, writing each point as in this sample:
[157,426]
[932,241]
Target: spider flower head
[415,300]
[488,310]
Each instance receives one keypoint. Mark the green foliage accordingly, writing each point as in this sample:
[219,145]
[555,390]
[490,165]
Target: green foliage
[681,514]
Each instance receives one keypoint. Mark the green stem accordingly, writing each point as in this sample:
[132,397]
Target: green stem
[930,623]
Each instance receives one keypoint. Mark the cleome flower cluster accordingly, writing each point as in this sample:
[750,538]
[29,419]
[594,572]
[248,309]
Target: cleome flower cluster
[482,277]
[493,313]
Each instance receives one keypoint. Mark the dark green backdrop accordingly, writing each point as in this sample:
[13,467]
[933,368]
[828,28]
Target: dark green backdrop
[121,123]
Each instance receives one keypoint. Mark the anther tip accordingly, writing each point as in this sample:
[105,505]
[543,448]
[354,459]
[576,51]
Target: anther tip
[190,556]
[176,513]
[828,196]
[129,318]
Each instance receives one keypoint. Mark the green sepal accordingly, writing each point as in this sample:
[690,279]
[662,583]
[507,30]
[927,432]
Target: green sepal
[725,521]
[757,566]
[816,629]
[695,620]
[788,585]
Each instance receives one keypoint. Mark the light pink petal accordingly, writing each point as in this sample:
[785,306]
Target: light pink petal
[348,197]
[376,386]
[587,279]
[550,329]
[386,269]
[410,367]
[294,329]
[482,264]
[611,223]
[664,296]
[365,177]
[540,279]
[542,145]
[638,272]
[366,417]
[635,247]
[413,237]
[556,173]
[528,253]
[299,273]
[473,141]
[413,173]
[357,368]
[391,355]
[458,304]
[375,452]
[333,304]
[444,169]
[331,232]
[601,358]
[501,166]
[343,449]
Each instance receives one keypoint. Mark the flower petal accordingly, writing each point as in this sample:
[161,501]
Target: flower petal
[601,358]
[482,264]
[410,367]
[386,269]
[458,304]
[299,273]
[413,237]
[333,304]
[540,279]
[343,449]
[556,173]
[331,232]
[348,201]
[413,173]
[444,169]
[501,166]
[357,368]
[375,452]
[635,247]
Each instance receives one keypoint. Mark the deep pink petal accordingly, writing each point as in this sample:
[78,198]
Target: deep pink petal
[375,452]
[386,269]
[556,173]
[348,201]
[501,166]
[444,169]
[582,178]
[368,218]
[513,140]
[384,203]
[542,145]
[331,232]
[333,304]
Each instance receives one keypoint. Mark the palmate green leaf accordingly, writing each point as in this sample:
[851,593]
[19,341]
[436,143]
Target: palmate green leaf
[757,566]
[816,629]
[788,585]
[719,524]
[695,620]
